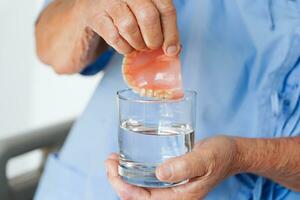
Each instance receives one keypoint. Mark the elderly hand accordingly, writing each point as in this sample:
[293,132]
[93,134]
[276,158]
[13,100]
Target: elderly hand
[210,162]
[133,24]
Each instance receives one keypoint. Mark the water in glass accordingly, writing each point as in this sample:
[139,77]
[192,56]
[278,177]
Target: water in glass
[145,146]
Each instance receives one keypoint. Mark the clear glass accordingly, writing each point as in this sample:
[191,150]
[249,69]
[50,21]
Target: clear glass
[152,131]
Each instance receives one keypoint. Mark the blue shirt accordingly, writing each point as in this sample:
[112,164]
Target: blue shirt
[243,59]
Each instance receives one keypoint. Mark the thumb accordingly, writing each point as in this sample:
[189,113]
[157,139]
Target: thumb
[181,168]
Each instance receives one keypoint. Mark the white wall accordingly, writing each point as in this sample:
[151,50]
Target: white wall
[31,94]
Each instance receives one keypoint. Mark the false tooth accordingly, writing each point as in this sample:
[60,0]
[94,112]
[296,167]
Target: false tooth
[169,92]
[149,93]
[168,96]
[142,92]
[161,96]
[158,92]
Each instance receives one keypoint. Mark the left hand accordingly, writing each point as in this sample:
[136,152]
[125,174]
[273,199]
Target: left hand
[210,162]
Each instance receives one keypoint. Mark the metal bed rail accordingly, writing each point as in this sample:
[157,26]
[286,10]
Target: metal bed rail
[48,139]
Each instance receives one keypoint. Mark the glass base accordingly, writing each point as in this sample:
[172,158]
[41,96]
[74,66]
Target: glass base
[143,176]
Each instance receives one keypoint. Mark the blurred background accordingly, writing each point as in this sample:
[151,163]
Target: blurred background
[32,95]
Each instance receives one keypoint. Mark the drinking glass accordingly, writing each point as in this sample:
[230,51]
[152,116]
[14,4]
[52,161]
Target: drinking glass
[152,131]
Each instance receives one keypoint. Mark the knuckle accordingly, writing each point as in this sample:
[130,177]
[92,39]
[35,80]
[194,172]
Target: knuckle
[209,160]
[148,15]
[168,10]
[127,25]
[99,24]
[114,38]
[113,6]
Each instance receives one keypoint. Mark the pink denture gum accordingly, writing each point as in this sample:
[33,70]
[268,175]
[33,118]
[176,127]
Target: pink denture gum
[153,74]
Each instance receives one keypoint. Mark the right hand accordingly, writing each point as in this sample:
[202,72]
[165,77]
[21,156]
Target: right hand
[129,25]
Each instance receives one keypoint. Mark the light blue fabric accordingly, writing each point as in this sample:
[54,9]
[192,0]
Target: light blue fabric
[99,64]
[243,59]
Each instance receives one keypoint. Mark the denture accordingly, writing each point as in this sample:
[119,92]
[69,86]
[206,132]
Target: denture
[153,74]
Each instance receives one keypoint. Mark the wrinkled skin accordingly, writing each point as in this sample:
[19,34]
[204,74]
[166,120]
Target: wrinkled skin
[129,25]
[70,34]
[210,162]
[214,159]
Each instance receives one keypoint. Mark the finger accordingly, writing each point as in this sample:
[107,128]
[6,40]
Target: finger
[193,190]
[166,193]
[148,19]
[181,168]
[124,190]
[197,188]
[114,156]
[167,11]
[126,24]
[104,26]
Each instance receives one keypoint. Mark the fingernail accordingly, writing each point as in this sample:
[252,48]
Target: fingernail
[164,172]
[172,50]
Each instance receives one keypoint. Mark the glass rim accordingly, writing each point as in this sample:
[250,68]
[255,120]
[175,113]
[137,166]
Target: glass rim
[122,97]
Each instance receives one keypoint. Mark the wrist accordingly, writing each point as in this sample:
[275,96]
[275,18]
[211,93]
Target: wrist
[241,159]
[257,155]
[276,159]
[229,152]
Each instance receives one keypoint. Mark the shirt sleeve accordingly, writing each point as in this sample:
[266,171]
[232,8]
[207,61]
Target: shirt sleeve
[99,64]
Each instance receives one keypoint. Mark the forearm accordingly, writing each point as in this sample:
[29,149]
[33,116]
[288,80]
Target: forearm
[277,159]
[63,40]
